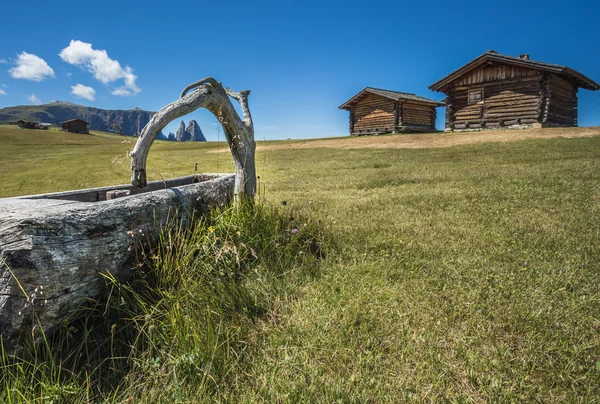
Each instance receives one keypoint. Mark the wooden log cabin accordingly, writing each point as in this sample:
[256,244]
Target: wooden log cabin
[376,111]
[75,126]
[498,91]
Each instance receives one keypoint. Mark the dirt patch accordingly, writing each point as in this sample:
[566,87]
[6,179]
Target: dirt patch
[433,140]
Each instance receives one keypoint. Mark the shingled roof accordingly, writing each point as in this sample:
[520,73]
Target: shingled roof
[492,56]
[394,95]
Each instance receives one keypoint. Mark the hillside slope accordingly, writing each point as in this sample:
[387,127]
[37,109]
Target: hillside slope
[129,121]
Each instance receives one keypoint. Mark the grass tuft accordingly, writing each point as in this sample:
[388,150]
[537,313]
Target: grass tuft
[178,330]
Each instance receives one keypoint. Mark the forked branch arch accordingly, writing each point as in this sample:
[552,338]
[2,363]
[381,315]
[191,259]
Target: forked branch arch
[210,94]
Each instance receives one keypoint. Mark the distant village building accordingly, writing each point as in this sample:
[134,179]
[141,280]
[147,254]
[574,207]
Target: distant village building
[495,91]
[375,111]
[75,126]
[23,124]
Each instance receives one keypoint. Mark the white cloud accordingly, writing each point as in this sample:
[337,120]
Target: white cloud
[81,91]
[104,69]
[34,99]
[68,74]
[3,61]
[122,91]
[31,67]
[2,92]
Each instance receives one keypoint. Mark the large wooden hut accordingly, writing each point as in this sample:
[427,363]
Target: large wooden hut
[375,111]
[75,126]
[495,91]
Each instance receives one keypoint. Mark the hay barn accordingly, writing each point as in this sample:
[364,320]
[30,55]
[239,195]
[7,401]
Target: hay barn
[375,111]
[75,126]
[499,91]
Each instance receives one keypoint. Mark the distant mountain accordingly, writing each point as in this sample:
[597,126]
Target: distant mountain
[195,132]
[127,122]
[192,133]
[181,135]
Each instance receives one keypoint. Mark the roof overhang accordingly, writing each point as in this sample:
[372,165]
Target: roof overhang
[493,57]
[74,120]
[387,94]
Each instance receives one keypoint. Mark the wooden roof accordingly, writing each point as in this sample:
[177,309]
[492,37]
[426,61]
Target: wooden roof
[394,95]
[75,120]
[492,56]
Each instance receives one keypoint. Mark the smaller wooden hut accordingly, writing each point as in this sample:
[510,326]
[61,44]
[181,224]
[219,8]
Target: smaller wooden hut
[375,111]
[75,126]
[23,124]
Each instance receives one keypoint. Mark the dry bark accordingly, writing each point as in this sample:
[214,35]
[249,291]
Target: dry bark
[210,94]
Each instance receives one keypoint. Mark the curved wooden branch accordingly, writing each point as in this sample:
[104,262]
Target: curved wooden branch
[198,83]
[211,95]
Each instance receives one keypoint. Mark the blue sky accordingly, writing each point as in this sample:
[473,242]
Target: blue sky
[301,60]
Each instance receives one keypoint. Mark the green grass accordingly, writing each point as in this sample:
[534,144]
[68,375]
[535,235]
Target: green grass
[466,274]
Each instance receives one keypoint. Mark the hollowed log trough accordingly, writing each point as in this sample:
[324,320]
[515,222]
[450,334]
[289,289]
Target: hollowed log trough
[54,247]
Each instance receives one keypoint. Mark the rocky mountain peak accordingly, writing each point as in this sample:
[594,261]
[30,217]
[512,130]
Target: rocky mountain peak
[181,135]
[193,129]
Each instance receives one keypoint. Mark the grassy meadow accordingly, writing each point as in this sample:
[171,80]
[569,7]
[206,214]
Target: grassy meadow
[457,274]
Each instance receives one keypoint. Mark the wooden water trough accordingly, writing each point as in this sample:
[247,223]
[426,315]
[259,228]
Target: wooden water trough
[53,247]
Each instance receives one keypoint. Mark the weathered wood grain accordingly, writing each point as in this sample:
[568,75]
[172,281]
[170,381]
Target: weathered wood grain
[54,247]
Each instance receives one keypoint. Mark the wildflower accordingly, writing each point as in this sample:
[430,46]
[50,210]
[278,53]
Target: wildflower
[295,231]
[211,229]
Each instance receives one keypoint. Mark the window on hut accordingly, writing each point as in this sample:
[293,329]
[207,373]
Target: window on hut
[475,96]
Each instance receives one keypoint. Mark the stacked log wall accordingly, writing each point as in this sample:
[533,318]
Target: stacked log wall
[505,103]
[418,115]
[562,102]
[373,114]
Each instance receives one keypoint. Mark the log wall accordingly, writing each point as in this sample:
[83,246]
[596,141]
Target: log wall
[418,115]
[561,105]
[504,104]
[373,114]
